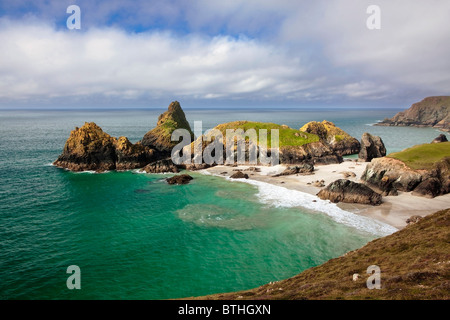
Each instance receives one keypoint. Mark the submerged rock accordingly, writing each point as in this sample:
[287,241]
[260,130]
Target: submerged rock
[371,147]
[179,179]
[343,190]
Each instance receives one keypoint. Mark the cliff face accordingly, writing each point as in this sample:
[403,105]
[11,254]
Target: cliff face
[413,264]
[339,140]
[89,148]
[430,112]
[160,137]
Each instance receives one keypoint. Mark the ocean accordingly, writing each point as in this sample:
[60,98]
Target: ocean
[136,237]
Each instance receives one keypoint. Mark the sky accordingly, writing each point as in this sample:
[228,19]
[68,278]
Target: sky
[243,53]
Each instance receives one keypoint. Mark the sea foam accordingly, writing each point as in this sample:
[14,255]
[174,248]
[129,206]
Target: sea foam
[283,197]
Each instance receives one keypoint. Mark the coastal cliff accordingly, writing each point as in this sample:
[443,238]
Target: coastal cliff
[90,148]
[430,112]
[410,270]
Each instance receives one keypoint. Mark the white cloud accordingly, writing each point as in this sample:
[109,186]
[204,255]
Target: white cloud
[295,50]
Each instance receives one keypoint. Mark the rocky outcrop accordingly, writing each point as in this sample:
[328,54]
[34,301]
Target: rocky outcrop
[340,141]
[314,152]
[161,166]
[440,138]
[430,112]
[390,175]
[343,190]
[89,148]
[160,137]
[239,175]
[303,169]
[371,147]
[179,179]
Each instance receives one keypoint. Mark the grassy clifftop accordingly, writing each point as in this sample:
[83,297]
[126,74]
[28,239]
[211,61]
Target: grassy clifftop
[414,263]
[288,136]
[423,156]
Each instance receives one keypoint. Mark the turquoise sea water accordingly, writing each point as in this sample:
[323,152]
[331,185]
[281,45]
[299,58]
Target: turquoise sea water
[135,237]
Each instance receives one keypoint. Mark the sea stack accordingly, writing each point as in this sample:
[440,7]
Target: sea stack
[371,147]
[90,148]
[160,137]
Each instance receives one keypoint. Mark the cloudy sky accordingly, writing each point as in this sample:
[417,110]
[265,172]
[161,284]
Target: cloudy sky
[223,53]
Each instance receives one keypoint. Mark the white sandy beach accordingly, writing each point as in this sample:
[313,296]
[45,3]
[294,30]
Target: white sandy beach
[394,210]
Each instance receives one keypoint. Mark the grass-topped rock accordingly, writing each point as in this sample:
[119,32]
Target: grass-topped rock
[424,169]
[160,137]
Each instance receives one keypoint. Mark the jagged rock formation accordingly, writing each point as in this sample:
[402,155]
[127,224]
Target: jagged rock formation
[390,175]
[340,141]
[343,190]
[161,166]
[315,152]
[430,112]
[303,169]
[179,179]
[160,137]
[89,148]
[371,147]
[441,138]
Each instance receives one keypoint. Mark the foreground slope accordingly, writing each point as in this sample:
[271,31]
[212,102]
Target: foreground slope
[414,263]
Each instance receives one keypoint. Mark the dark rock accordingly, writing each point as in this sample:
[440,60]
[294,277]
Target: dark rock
[161,166]
[371,147]
[441,138]
[343,190]
[429,188]
[239,175]
[304,169]
[314,152]
[179,179]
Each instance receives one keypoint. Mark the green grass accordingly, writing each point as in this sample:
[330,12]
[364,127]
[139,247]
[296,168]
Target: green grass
[423,156]
[287,135]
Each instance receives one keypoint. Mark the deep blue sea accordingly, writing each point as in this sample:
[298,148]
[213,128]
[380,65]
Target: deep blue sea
[135,237]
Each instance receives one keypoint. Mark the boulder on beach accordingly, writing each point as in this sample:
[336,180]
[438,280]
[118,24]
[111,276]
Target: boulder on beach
[343,190]
[371,147]
[239,175]
[303,169]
